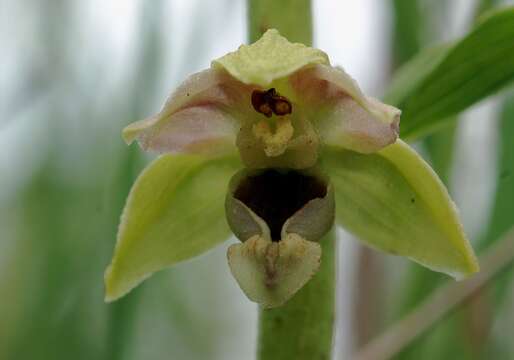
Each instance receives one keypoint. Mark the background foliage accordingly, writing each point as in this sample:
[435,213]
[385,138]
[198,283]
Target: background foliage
[66,90]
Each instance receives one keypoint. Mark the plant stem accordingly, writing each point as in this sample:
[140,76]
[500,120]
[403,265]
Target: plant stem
[302,328]
[291,17]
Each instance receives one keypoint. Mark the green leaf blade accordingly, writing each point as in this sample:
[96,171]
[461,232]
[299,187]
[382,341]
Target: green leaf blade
[394,201]
[449,81]
[410,76]
[175,211]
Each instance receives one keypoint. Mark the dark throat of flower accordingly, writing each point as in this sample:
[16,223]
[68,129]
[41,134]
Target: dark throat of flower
[276,194]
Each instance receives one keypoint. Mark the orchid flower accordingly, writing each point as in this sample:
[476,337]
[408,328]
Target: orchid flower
[284,144]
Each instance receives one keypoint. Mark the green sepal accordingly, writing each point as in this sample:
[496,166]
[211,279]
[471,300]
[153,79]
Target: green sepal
[271,57]
[394,201]
[175,211]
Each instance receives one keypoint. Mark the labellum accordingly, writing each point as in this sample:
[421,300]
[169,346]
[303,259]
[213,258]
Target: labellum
[279,215]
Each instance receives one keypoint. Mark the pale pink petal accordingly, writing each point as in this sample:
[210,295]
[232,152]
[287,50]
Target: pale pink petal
[200,129]
[343,115]
[201,116]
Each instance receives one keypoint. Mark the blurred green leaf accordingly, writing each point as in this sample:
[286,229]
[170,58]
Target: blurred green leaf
[394,201]
[440,148]
[443,81]
[483,6]
[408,25]
[174,212]
[411,75]
[502,217]
[266,14]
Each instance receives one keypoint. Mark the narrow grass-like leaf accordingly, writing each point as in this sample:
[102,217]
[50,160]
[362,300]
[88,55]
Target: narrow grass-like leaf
[433,87]
[394,201]
[502,217]
[174,212]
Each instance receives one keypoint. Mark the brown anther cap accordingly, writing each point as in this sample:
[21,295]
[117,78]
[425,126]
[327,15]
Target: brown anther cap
[270,102]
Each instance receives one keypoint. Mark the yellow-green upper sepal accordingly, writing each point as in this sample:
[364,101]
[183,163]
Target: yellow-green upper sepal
[270,58]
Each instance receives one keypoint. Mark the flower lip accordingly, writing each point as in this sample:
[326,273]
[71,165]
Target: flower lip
[280,215]
[277,194]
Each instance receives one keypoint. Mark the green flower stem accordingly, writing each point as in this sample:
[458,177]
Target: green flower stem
[302,328]
[292,18]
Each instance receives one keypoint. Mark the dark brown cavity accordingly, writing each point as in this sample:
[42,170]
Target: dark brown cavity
[276,195]
[270,102]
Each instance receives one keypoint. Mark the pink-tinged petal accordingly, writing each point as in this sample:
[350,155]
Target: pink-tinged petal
[343,115]
[353,128]
[201,116]
[200,129]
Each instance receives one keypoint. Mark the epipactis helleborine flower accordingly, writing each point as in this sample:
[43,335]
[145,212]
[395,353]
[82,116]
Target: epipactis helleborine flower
[296,136]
